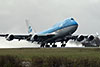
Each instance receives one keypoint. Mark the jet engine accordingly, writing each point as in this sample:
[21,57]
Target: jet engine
[10,37]
[80,38]
[32,38]
[90,37]
[35,37]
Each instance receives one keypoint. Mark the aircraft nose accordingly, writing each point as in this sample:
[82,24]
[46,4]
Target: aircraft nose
[73,21]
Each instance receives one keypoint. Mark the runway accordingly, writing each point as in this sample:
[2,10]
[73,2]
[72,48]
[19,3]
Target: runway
[24,44]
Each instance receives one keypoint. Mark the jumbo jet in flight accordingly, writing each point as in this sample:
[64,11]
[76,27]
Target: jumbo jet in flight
[60,32]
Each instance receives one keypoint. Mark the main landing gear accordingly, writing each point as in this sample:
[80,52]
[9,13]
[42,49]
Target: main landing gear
[53,45]
[46,45]
[42,45]
[64,43]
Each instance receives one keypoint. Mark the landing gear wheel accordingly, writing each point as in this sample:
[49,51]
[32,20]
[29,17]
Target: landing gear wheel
[63,45]
[54,45]
[50,43]
[42,45]
[47,45]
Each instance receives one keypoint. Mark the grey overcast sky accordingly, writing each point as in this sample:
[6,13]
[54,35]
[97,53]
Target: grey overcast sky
[42,14]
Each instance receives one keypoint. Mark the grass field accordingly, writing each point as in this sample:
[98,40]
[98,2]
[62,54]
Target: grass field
[52,57]
[56,52]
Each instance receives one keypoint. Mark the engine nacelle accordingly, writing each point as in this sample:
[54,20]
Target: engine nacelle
[32,37]
[90,38]
[35,37]
[10,37]
[80,38]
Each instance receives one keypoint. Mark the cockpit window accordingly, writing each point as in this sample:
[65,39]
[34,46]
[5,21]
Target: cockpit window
[72,19]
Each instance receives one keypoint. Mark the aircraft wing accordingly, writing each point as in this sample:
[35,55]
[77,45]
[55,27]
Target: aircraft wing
[80,37]
[10,37]
[3,35]
[49,38]
[21,36]
[27,37]
[52,38]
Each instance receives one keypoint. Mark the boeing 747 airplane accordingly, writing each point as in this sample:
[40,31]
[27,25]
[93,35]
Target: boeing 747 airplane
[60,32]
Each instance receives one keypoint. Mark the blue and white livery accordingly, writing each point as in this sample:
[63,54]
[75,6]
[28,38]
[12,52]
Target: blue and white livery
[60,32]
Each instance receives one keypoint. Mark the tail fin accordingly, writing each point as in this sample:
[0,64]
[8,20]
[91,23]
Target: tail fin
[29,27]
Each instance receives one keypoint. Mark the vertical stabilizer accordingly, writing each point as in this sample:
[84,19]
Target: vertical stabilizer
[28,26]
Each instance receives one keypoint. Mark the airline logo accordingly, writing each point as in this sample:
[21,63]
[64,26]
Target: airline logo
[30,29]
